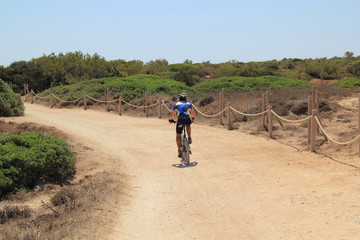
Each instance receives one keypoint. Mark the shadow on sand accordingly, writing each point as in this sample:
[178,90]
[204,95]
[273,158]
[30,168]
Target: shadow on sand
[182,165]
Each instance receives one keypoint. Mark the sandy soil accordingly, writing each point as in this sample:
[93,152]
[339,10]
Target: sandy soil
[239,186]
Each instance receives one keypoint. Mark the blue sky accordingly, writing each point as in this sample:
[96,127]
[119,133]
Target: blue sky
[215,31]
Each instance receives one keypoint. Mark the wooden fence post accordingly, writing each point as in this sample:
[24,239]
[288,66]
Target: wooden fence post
[223,100]
[309,121]
[313,131]
[84,101]
[270,126]
[159,108]
[146,103]
[228,117]
[120,105]
[144,97]
[107,99]
[267,104]
[313,96]
[27,92]
[52,96]
[263,109]
[220,106]
[317,108]
[359,122]
[32,96]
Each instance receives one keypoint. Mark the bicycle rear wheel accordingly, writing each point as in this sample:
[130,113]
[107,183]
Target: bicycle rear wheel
[186,152]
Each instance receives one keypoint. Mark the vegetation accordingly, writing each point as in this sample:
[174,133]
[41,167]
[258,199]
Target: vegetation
[10,102]
[249,83]
[74,68]
[348,83]
[127,87]
[28,158]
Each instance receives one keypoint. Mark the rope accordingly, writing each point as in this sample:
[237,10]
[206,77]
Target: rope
[165,106]
[132,105]
[290,121]
[42,97]
[333,140]
[249,114]
[96,100]
[67,101]
[209,116]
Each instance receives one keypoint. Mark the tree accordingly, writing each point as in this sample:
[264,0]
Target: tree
[4,73]
[10,102]
[354,68]
[156,67]
[187,61]
[187,75]
[349,55]
[123,68]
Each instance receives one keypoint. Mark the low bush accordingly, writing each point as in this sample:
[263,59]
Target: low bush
[29,158]
[131,87]
[10,102]
[14,212]
[348,83]
[247,71]
[249,83]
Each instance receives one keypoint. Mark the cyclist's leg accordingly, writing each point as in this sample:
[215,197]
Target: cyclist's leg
[179,127]
[178,140]
[188,130]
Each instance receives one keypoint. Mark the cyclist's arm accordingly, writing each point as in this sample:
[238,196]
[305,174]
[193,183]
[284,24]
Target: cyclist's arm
[172,115]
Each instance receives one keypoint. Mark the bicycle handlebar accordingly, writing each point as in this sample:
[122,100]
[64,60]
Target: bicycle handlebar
[173,121]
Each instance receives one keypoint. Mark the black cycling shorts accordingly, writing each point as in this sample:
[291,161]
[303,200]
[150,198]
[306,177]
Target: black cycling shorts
[182,123]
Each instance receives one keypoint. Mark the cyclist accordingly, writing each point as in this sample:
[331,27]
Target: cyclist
[185,113]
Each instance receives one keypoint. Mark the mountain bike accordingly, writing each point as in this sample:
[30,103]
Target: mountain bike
[185,146]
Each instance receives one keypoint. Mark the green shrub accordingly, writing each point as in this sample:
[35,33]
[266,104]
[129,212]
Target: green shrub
[176,67]
[354,68]
[324,69]
[128,87]
[249,83]
[29,158]
[248,70]
[348,83]
[10,102]
[133,86]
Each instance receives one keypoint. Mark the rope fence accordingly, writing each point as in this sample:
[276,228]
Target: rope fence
[333,140]
[41,97]
[249,114]
[64,101]
[290,121]
[210,116]
[165,106]
[267,113]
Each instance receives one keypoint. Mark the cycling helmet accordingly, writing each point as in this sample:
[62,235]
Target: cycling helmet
[183,96]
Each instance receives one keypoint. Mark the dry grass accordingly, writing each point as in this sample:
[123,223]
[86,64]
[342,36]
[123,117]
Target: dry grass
[72,211]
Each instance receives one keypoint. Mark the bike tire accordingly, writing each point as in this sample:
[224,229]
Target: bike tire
[186,152]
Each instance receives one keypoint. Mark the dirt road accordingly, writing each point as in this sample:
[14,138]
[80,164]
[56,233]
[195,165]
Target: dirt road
[239,186]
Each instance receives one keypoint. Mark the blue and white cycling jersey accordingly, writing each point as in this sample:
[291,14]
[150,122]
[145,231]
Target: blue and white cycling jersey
[182,108]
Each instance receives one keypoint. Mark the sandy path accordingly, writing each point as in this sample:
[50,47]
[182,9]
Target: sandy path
[240,187]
